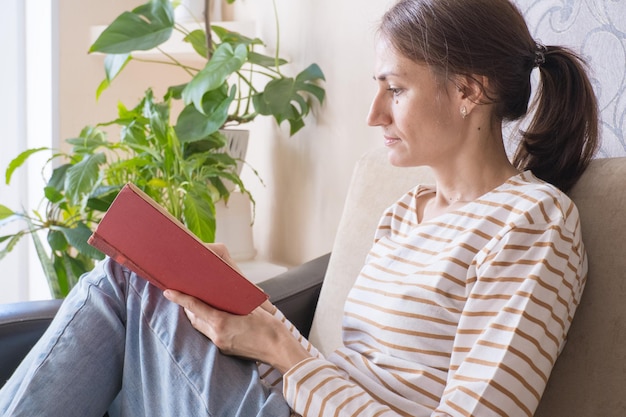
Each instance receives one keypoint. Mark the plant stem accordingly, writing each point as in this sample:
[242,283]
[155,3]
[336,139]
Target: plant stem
[156,61]
[277,54]
[207,28]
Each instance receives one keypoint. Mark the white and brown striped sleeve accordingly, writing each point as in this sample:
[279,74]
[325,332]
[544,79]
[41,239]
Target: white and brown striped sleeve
[527,287]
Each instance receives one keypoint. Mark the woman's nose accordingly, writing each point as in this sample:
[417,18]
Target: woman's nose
[378,115]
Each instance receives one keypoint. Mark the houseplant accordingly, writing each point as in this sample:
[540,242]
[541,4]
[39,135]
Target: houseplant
[180,164]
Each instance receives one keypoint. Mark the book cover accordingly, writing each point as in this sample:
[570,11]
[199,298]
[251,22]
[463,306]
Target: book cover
[141,235]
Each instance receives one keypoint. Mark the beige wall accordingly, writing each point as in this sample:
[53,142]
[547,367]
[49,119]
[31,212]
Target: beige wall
[305,176]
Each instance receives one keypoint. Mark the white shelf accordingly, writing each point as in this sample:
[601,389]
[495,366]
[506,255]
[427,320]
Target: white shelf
[259,271]
[177,47]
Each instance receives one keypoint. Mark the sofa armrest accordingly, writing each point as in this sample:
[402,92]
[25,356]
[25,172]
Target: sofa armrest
[296,291]
[21,325]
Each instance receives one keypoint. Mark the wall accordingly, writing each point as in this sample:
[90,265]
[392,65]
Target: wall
[306,176]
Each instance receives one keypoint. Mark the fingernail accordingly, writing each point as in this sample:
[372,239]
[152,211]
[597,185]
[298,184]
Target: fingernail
[167,294]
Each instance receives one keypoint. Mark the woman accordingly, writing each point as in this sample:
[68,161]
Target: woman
[466,296]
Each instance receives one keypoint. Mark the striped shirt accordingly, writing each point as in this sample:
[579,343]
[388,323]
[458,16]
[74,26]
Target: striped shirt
[461,315]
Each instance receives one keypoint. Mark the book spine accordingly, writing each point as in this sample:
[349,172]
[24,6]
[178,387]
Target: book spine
[103,246]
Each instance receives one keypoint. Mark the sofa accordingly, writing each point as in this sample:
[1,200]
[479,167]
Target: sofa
[589,378]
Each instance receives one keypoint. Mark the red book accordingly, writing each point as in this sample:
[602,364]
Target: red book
[141,235]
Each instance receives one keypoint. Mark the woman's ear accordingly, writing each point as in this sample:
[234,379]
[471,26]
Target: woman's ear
[471,91]
[473,88]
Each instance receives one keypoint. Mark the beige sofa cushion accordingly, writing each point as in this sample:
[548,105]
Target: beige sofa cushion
[590,376]
[375,185]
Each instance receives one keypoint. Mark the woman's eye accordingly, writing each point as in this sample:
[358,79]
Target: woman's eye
[394,91]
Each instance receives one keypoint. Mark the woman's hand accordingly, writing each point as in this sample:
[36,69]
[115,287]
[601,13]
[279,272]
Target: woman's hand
[258,335]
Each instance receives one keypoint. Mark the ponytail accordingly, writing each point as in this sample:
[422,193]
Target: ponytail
[562,138]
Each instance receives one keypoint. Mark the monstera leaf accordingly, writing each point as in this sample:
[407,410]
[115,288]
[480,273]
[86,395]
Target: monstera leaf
[287,98]
[144,28]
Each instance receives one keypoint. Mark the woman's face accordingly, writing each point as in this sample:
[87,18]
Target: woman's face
[419,115]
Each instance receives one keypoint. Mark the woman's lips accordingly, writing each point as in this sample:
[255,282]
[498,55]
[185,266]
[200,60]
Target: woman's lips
[390,141]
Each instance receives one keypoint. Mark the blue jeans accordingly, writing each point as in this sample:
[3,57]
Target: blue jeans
[117,344]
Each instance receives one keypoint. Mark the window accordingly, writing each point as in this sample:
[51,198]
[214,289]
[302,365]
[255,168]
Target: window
[28,82]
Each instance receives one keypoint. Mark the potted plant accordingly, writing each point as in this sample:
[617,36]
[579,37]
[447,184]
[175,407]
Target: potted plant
[178,159]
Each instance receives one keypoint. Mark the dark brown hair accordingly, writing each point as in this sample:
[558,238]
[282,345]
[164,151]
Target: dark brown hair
[490,38]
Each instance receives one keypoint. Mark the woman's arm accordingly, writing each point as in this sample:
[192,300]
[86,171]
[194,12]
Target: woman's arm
[515,321]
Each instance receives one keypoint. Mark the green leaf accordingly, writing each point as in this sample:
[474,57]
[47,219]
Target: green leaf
[77,237]
[5,212]
[77,267]
[275,100]
[175,91]
[57,179]
[157,183]
[295,125]
[57,241]
[113,65]
[81,178]
[312,73]
[234,38]
[146,27]
[224,62]
[19,160]
[46,262]
[61,271]
[102,197]
[264,60]
[197,39]
[199,214]
[280,97]
[101,87]
[89,140]
[52,194]
[305,80]
[212,142]
[193,125]
[159,116]
[12,241]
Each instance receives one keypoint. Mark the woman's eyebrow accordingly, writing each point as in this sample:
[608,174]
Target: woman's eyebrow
[383,76]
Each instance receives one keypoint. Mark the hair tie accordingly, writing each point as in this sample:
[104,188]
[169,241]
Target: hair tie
[540,54]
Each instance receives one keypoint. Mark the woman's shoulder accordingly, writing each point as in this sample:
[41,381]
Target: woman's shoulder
[534,201]
[402,214]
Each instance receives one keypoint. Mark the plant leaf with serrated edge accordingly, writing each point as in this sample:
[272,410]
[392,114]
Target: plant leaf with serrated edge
[82,177]
[19,161]
[12,241]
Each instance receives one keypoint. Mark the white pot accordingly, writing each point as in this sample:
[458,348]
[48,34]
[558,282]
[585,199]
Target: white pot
[234,226]
[236,145]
